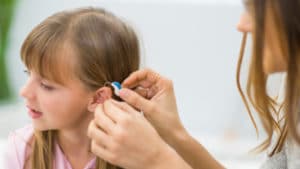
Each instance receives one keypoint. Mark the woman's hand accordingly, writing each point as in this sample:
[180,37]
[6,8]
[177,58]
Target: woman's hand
[154,96]
[122,136]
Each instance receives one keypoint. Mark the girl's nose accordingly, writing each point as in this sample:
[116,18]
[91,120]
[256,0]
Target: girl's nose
[245,24]
[27,91]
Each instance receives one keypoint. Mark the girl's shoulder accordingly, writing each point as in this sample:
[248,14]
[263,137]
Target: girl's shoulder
[17,150]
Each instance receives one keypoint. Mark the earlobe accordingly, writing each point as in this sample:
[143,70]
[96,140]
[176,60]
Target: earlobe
[102,94]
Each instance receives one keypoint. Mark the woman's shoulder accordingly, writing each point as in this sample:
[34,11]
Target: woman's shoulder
[17,147]
[293,154]
[277,161]
[287,158]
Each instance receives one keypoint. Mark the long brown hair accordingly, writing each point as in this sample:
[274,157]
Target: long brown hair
[285,20]
[105,48]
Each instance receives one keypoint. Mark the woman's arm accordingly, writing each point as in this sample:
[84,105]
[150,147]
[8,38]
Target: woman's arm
[192,151]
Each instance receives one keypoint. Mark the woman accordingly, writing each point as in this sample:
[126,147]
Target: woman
[275,28]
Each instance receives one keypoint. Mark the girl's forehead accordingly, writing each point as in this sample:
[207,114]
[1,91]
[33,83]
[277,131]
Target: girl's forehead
[57,65]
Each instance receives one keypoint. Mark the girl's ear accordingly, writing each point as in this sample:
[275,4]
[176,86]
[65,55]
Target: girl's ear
[99,97]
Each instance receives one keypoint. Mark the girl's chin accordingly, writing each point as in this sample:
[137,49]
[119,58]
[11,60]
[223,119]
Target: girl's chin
[41,127]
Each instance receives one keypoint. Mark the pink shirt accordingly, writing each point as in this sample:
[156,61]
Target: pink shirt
[16,154]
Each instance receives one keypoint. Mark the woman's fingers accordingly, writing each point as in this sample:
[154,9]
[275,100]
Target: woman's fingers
[144,92]
[98,135]
[113,112]
[128,134]
[101,151]
[126,108]
[144,78]
[121,135]
[136,100]
[104,122]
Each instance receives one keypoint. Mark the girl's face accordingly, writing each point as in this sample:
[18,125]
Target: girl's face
[55,106]
[273,60]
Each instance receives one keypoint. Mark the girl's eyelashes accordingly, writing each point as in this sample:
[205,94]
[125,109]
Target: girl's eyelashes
[42,83]
[26,72]
[46,86]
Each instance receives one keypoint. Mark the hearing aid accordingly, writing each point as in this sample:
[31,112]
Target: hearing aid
[115,88]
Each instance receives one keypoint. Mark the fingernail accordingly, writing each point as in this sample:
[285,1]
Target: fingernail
[123,92]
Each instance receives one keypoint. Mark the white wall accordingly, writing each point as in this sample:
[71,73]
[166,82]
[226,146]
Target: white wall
[195,43]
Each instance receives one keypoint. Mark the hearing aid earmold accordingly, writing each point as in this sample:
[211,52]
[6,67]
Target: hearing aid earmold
[115,87]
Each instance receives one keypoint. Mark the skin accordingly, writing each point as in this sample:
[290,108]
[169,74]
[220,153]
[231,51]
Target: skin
[157,101]
[273,60]
[66,108]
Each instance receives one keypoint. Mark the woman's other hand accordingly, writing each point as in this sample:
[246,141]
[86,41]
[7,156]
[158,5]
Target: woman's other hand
[122,136]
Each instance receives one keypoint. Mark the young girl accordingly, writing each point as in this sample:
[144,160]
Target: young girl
[69,57]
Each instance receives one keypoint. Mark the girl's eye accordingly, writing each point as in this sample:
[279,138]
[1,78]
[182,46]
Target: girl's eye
[47,87]
[27,72]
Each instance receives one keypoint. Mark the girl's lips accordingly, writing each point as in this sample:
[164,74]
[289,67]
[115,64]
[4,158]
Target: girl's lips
[34,114]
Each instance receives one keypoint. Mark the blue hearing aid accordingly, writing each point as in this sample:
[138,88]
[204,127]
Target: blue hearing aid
[117,87]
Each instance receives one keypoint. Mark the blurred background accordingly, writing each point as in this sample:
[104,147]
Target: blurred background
[193,42]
